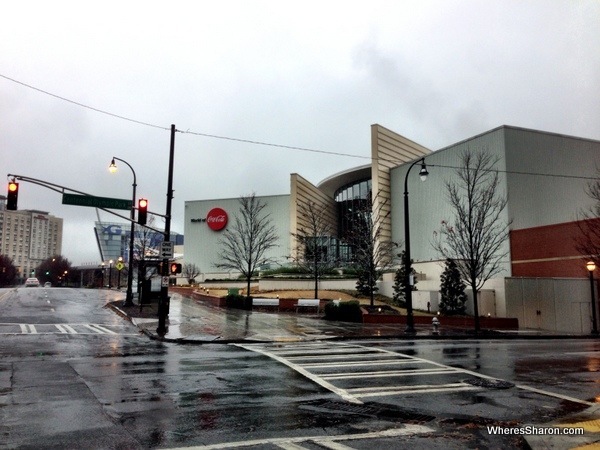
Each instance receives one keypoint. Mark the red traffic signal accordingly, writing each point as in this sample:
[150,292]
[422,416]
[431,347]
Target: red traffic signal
[12,197]
[175,268]
[142,211]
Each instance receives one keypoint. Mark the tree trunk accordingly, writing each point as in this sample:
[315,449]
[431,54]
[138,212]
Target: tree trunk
[475,306]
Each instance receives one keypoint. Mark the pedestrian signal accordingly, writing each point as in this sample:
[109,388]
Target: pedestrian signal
[175,268]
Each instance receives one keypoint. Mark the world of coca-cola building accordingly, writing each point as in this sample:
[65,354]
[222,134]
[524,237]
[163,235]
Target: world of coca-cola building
[337,197]
[544,176]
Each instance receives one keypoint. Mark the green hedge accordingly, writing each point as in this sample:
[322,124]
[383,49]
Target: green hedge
[346,311]
[238,302]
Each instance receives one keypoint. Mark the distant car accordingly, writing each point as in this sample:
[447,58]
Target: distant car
[47,284]
[32,282]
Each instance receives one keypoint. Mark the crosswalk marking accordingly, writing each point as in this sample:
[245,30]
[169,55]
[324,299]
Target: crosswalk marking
[28,329]
[333,365]
[63,328]
[66,329]
[99,329]
[389,373]
[327,363]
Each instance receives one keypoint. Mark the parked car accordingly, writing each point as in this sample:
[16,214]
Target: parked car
[47,284]
[32,282]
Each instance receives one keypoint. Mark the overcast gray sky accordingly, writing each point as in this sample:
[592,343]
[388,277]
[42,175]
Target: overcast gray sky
[310,74]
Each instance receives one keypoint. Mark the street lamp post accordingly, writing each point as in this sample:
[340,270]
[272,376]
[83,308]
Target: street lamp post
[129,295]
[103,265]
[591,266]
[410,321]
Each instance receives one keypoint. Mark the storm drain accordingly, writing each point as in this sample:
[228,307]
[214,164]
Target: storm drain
[366,410]
[490,383]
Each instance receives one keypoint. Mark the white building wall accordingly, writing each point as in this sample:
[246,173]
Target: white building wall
[537,200]
[202,245]
[429,206]
[428,200]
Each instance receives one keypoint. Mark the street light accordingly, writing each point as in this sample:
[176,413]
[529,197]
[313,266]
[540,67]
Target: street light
[410,321]
[591,266]
[129,295]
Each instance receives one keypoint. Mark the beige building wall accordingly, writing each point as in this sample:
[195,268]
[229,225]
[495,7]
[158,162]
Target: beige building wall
[302,193]
[28,237]
[388,149]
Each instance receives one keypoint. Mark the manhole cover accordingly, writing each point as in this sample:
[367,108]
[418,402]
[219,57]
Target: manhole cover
[490,383]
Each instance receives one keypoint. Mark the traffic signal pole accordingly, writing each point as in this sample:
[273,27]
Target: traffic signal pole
[163,302]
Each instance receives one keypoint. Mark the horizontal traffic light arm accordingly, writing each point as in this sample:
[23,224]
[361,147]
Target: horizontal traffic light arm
[62,190]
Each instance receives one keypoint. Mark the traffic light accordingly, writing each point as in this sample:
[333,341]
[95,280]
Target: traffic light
[13,195]
[175,268]
[142,211]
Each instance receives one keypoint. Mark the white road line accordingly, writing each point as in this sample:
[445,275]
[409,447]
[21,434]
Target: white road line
[64,328]
[291,446]
[334,365]
[100,327]
[421,389]
[487,377]
[406,430]
[388,373]
[317,351]
[344,356]
[315,379]
[333,445]
[552,394]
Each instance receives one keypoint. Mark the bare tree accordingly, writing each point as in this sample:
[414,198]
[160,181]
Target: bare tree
[248,240]
[588,241]
[312,239]
[372,254]
[191,271]
[475,238]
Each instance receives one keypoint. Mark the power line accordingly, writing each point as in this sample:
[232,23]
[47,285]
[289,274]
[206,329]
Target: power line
[139,122]
[268,144]
[83,105]
[516,172]
[290,147]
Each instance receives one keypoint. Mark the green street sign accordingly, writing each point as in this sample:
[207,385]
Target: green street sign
[96,202]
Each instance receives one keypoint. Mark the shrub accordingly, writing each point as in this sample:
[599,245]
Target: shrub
[346,311]
[238,302]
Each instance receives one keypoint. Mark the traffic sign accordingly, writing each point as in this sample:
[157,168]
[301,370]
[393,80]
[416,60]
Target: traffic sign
[96,202]
[166,250]
[119,266]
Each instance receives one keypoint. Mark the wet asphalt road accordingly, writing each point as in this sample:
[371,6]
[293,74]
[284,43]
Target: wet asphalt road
[73,374]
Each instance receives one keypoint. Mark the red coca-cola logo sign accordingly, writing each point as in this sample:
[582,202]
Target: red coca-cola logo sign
[216,219]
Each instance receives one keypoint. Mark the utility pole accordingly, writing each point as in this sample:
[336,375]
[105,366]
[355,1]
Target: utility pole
[163,302]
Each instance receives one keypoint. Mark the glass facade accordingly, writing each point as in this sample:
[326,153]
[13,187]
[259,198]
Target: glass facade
[352,200]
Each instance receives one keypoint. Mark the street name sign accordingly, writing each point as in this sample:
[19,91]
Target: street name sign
[166,250]
[96,202]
